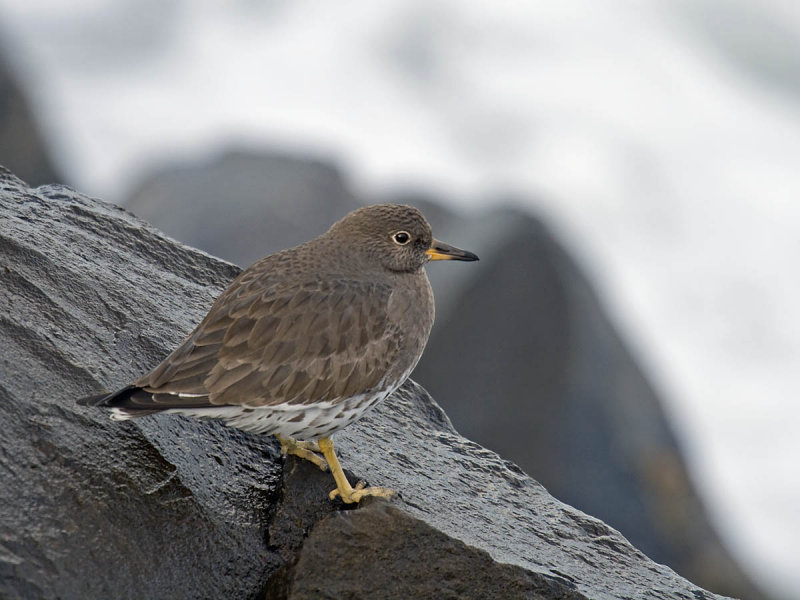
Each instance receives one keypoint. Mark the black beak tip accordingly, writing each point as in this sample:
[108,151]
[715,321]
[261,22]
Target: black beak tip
[441,251]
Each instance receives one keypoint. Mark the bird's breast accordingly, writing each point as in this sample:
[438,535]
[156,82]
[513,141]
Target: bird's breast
[412,311]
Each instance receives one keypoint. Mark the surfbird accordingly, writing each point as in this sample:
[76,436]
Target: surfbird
[307,340]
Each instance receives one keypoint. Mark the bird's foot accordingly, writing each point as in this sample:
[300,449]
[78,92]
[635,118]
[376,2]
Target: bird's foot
[352,495]
[348,493]
[305,450]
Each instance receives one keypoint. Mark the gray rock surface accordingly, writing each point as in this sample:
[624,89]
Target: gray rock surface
[522,356]
[170,507]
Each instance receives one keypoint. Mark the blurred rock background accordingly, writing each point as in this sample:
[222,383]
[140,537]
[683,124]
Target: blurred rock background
[22,148]
[532,355]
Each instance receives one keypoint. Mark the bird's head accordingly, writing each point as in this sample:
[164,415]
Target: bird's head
[394,237]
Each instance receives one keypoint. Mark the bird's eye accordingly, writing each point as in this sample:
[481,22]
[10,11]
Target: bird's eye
[401,237]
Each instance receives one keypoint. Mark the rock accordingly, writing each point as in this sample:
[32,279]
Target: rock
[92,509]
[371,552]
[179,508]
[22,147]
[522,355]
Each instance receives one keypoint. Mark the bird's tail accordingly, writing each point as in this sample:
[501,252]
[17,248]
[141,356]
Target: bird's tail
[113,400]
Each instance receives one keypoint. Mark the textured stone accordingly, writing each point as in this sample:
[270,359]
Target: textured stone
[169,507]
[382,552]
[93,508]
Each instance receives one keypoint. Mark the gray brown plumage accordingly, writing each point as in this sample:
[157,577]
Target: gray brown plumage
[306,340]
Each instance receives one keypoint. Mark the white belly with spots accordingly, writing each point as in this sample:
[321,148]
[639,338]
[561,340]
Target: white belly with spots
[299,421]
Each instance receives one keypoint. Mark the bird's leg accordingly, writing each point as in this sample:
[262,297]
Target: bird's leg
[348,493]
[302,449]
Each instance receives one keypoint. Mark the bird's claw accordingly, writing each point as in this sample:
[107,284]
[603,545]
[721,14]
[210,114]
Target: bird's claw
[355,494]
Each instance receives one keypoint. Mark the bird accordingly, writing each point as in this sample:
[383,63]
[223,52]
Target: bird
[307,340]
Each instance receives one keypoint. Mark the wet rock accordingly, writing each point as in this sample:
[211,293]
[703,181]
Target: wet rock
[372,551]
[91,508]
[171,507]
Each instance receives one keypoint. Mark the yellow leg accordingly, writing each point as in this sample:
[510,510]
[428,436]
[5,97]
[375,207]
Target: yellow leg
[304,450]
[348,493]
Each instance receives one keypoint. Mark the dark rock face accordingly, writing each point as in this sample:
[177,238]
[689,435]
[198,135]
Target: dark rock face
[91,509]
[171,507]
[372,551]
[21,145]
[522,356]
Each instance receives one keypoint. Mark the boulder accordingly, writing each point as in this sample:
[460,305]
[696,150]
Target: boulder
[179,508]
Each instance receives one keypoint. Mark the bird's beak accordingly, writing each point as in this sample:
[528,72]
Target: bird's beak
[441,251]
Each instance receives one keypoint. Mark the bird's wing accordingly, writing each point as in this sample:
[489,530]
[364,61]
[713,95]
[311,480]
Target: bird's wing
[316,341]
